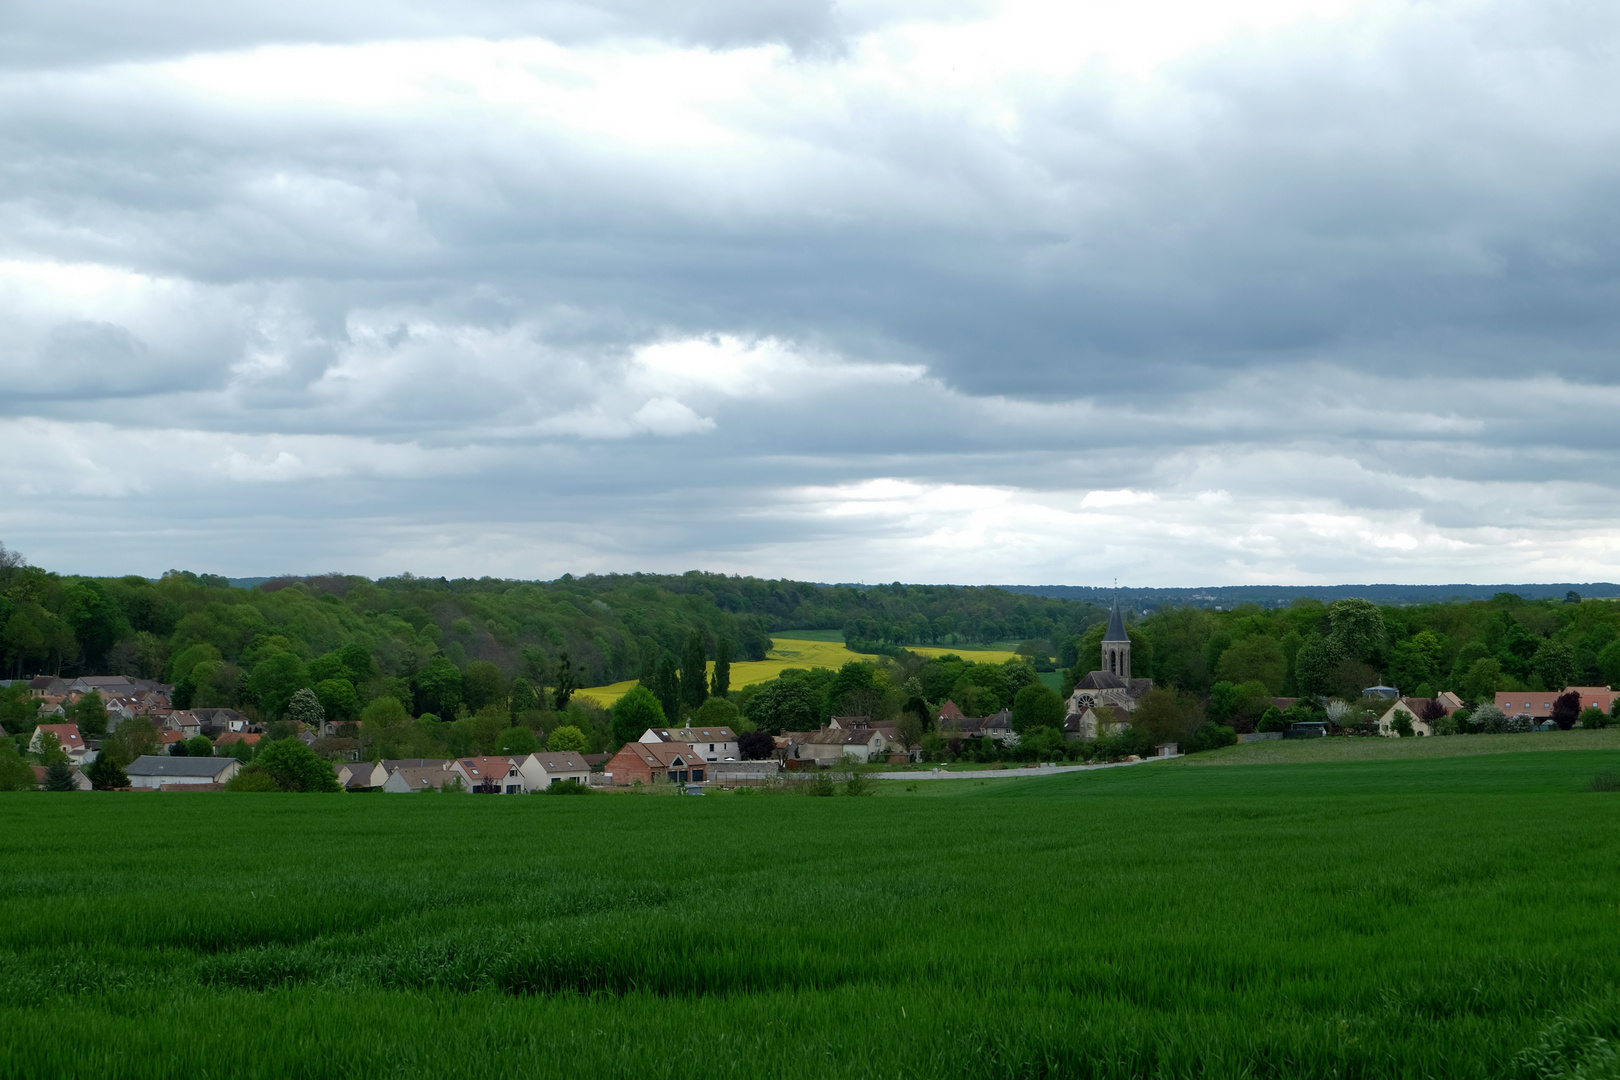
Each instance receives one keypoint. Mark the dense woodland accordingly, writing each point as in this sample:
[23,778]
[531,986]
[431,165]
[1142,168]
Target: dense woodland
[486,652]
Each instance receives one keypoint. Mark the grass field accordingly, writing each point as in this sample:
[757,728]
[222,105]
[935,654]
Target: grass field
[1423,917]
[794,649]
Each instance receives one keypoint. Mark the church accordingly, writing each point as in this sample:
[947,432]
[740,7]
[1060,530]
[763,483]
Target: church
[1110,687]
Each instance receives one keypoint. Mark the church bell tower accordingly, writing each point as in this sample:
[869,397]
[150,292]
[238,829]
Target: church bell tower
[1116,645]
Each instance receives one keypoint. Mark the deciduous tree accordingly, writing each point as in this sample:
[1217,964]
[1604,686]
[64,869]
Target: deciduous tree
[636,712]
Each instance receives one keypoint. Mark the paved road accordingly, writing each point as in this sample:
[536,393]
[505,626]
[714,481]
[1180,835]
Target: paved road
[1007,774]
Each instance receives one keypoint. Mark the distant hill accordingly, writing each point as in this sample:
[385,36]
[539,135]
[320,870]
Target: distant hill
[1228,596]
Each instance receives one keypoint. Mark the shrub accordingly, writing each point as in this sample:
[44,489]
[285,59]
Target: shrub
[106,774]
[59,777]
[1211,736]
[1566,709]
[859,784]
[1402,723]
[251,779]
[567,737]
[1593,717]
[821,784]
[568,787]
[1272,720]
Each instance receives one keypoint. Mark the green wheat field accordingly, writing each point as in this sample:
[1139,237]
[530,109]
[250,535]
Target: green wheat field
[1452,917]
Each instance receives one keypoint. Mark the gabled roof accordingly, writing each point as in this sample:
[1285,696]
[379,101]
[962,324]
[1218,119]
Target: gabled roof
[949,711]
[662,755]
[563,761]
[163,765]
[838,737]
[1116,625]
[67,735]
[485,769]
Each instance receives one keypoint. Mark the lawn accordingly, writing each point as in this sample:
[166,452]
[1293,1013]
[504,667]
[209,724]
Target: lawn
[1423,917]
[795,649]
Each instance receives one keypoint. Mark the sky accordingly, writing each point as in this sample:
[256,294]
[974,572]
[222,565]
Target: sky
[1178,293]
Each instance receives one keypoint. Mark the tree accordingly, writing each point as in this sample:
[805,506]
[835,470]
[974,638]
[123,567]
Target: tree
[694,671]
[523,697]
[295,767]
[1358,628]
[566,738]
[483,684]
[305,708]
[90,713]
[518,740]
[274,680]
[755,745]
[1163,716]
[1484,678]
[783,705]
[438,687]
[1566,709]
[199,746]
[1035,706]
[339,699]
[665,684]
[59,777]
[566,683]
[637,711]
[106,774]
[908,730]
[720,682]
[717,712]
[133,739]
[1554,661]
[15,773]
[50,749]
[1257,658]
[1314,664]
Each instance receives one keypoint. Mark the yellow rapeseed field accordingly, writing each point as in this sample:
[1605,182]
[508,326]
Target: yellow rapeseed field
[793,653]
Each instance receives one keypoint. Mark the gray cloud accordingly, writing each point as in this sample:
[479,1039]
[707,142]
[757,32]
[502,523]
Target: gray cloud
[571,286]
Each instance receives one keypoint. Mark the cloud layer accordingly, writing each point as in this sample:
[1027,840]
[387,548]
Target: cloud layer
[1183,293]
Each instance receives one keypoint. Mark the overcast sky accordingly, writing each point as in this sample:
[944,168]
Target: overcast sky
[1264,291]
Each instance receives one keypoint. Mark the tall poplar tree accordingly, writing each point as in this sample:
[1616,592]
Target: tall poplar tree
[694,671]
[665,685]
[720,681]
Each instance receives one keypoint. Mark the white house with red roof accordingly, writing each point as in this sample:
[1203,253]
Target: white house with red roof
[67,737]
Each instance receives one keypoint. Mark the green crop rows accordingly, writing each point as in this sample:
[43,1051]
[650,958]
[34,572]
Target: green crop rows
[1452,917]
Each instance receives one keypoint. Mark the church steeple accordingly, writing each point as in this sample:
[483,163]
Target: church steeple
[1116,645]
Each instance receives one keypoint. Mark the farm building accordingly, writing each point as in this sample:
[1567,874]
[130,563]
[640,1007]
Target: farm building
[713,744]
[548,767]
[832,746]
[650,763]
[156,770]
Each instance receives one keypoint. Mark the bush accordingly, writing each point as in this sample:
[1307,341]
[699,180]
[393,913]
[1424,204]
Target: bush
[567,737]
[1402,723]
[859,784]
[1211,736]
[567,787]
[821,784]
[1593,717]
[293,767]
[106,774]
[754,745]
[1272,720]
[251,779]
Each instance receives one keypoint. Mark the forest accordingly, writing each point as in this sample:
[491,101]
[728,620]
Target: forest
[453,649]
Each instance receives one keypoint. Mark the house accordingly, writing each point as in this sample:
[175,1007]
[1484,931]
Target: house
[949,712]
[160,770]
[999,727]
[1414,709]
[713,744]
[650,763]
[490,775]
[831,746]
[548,767]
[235,737]
[354,775]
[185,722]
[1095,722]
[332,728]
[408,778]
[80,781]
[1535,704]
[67,737]
[222,720]
[169,738]
[47,686]
[953,721]
[1601,696]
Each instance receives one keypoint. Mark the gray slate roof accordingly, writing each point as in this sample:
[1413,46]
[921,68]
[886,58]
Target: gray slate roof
[1116,626]
[162,765]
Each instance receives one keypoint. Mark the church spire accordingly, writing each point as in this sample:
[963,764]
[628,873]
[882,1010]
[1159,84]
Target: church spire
[1116,645]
